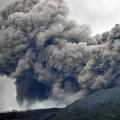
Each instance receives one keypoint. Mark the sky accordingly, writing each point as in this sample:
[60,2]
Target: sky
[99,15]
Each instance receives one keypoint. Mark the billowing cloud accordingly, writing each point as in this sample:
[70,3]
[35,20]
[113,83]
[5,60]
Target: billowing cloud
[100,15]
[51,56]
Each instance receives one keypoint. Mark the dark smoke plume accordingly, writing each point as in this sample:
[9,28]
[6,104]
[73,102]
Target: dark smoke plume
[51,56]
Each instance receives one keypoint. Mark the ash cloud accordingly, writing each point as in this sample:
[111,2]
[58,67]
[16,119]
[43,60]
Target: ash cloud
[51,56]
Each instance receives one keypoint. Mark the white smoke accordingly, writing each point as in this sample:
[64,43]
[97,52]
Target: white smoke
[8,94]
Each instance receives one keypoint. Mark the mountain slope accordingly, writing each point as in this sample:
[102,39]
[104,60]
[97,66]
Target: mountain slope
[46,114]
[110,112]
[102,105]
[105,100]
[102,97]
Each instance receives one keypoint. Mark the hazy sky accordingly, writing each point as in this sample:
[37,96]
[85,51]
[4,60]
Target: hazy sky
[101,15]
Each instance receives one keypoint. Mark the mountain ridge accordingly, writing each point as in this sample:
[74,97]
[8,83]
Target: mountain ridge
[104,103]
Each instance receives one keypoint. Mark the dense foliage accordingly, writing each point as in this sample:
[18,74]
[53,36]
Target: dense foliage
[30,115]
[100,113]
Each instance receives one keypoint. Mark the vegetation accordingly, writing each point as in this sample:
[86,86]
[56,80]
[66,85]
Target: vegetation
[100,113]
[30,115]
